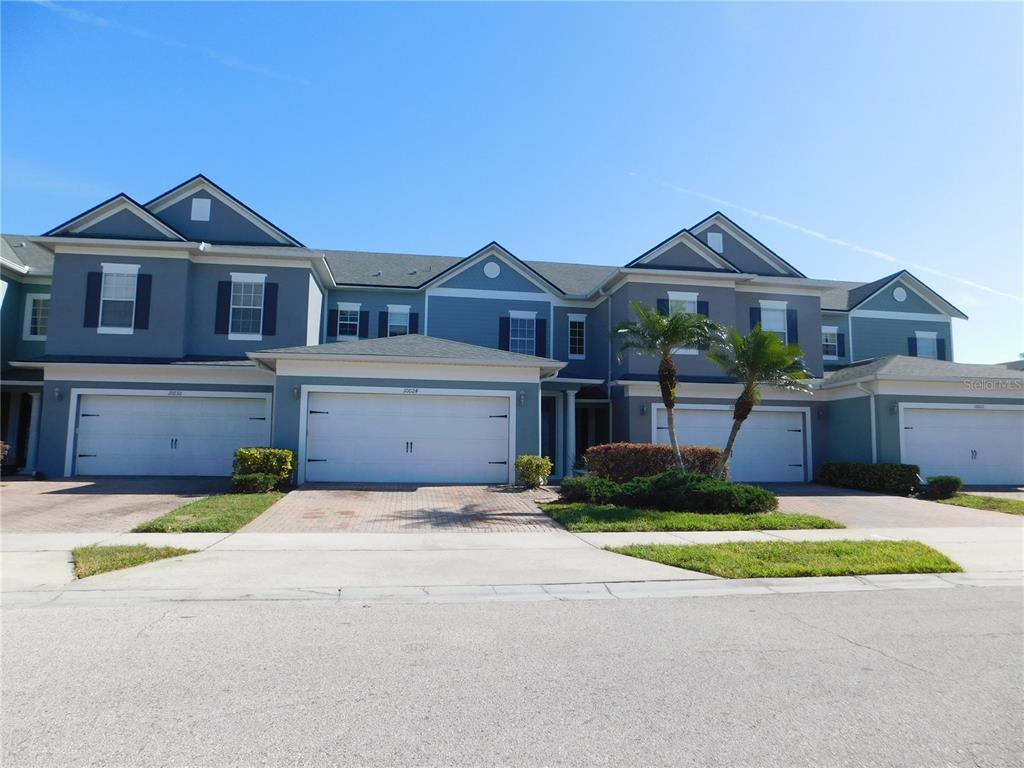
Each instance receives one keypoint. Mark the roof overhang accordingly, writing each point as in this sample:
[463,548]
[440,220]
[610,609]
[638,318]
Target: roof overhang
[684,237]
[269,360]
[921,289]
[765,253]
[495,250]
[108,208]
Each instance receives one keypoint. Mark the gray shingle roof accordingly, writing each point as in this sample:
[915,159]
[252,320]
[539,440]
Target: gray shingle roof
[413,345]
[920,368]
[18,249]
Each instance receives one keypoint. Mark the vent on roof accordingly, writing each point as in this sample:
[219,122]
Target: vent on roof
[413,272]
[377,274]
[19,245]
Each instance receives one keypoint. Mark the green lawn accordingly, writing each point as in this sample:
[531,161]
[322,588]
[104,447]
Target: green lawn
[596,518]
[92,560]
[225,513]
[991,503]
[755,559]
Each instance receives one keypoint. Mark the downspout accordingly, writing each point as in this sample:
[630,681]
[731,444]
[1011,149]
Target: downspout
[874,438]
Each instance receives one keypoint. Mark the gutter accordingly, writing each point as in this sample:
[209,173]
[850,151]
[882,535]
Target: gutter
[874,436]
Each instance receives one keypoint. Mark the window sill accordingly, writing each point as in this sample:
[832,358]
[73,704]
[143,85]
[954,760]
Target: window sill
[118,331]
[346,338]
[577,357]
[245,337]
[30,337]
[685,352]
[830,357]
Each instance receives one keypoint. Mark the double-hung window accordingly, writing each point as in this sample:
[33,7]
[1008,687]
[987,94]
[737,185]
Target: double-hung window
[830,342]
[117,298]
[927,344]
[246,307]
[398,319]
[37,316]
[682,301]
[522,332]
[348,321]
[773,318]
[577,337]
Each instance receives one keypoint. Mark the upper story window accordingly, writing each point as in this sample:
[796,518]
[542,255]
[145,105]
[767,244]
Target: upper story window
[348,321]
[830,342]
[246,319]
[715,242]
[398,320]
[927,344]
[200,209]
[577,337]
[37,316]
[682,301]
[117,298]
[522,332]
[773,318]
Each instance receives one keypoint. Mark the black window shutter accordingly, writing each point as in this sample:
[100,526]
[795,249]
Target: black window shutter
[912,346]
[841,344]
[504,331]
[143,292]
[270,310]
[663,306]
[382,325]
[364,324]
[792,337]
[93,286]
[702,308]
[332,322]
[540,349]
[223,321]
[940,348]
[414,322]
[755,317]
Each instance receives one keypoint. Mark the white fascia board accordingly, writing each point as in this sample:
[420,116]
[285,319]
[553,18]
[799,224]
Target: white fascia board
[881,314]
[769,258]
[696,245]
[19,268]
[177,373]
[381,360]
[407,370]
[495,251]
[116,206]
[103,246]
[699,389]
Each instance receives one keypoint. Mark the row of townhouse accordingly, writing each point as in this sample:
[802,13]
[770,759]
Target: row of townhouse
[154,339]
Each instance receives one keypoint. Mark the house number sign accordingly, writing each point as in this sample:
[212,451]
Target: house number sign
[411,391]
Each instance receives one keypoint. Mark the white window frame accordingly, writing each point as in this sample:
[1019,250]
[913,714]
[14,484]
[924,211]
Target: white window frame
[119,269]
[720,238]
[30,300]
[246,277]
[833,329]
[573,319]
[399,309]
[201,212]
[933,337]
[687,299]
[776,306]
[347,306]
[519,314]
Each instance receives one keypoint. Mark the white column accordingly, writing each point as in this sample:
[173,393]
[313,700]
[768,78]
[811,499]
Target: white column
[570,432]
[32,451]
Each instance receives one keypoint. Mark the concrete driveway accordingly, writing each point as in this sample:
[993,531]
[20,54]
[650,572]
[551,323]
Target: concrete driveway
[406,509]
[108,505]
[863,509]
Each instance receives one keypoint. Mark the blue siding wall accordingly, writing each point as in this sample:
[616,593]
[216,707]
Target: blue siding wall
[878,337]
[809,322]
[123,224]
[740,256]
[475,321]
[375,302]
[11,316]
[884,301]
[849,430]
[682,256]
[224,226]
[841,321]
[595,365]
[508,279]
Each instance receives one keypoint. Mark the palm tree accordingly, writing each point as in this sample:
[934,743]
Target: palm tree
[758,358]
[655,334]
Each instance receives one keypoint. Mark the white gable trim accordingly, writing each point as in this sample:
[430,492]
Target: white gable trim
[696,245]
[759,250]
[197,185]
[118,204]
[493,251]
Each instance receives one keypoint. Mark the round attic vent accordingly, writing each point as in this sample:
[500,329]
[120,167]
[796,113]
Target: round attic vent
[899,293]
[491,269]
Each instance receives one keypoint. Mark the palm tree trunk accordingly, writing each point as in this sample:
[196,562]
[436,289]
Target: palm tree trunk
[723,460]
[740,412]
[667,382]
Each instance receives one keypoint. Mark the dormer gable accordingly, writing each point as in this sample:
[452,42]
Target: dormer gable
[118,218]
[493,268]
[900,292]
[741,249]
[682,251]
[204,212]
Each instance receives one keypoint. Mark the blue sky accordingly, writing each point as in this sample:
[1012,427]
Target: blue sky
[855,139]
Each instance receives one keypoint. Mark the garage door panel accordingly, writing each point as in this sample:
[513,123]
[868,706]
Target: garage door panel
[980,446]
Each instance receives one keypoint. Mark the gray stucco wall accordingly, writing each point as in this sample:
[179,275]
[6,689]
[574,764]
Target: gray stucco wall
[884,301]
[849,430]
[878,337]
[287,407]
[376,302]
[809,323]
[682,256]
[53,425]
[123,224]
[595,365]
[508,279]
[165,336]
[224,226]
[475,321]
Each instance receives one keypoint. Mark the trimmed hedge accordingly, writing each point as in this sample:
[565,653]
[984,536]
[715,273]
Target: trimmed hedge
[254,482]
[672,491]
[276,462]
[896,479]
[622,462]
[942,487]
[533,471]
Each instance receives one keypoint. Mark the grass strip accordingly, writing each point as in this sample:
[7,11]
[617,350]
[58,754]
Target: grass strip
[991,503]
[225,513]
[600,518]
[98,559]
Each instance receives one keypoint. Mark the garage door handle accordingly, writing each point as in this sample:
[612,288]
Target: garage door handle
[83,415]
[908,427]
[319,411]
[502,416]
[257,418]
[794,430]
[497,462]
[87,455]
[311,461]
[796,465]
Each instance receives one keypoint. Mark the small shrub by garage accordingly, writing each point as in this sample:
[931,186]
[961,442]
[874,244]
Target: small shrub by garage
[672,491]
[279,463]
[254,482]
[622,462]
[533,471]
[896,479]
[942,487]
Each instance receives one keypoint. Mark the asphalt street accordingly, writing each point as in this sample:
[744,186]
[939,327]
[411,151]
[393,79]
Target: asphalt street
[887,678]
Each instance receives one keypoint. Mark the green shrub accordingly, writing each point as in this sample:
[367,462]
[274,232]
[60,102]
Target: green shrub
[533,471]
[277,462]
[942,486]
[622,462]
[672,491]
[253,482]
[896,479]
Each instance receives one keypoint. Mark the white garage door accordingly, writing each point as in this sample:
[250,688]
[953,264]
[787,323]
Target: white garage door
[769,448]
[980,446]
[166,435]
[382,438]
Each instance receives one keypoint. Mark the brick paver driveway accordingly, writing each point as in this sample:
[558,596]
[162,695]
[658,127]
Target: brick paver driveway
[405,508]
[108,504]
